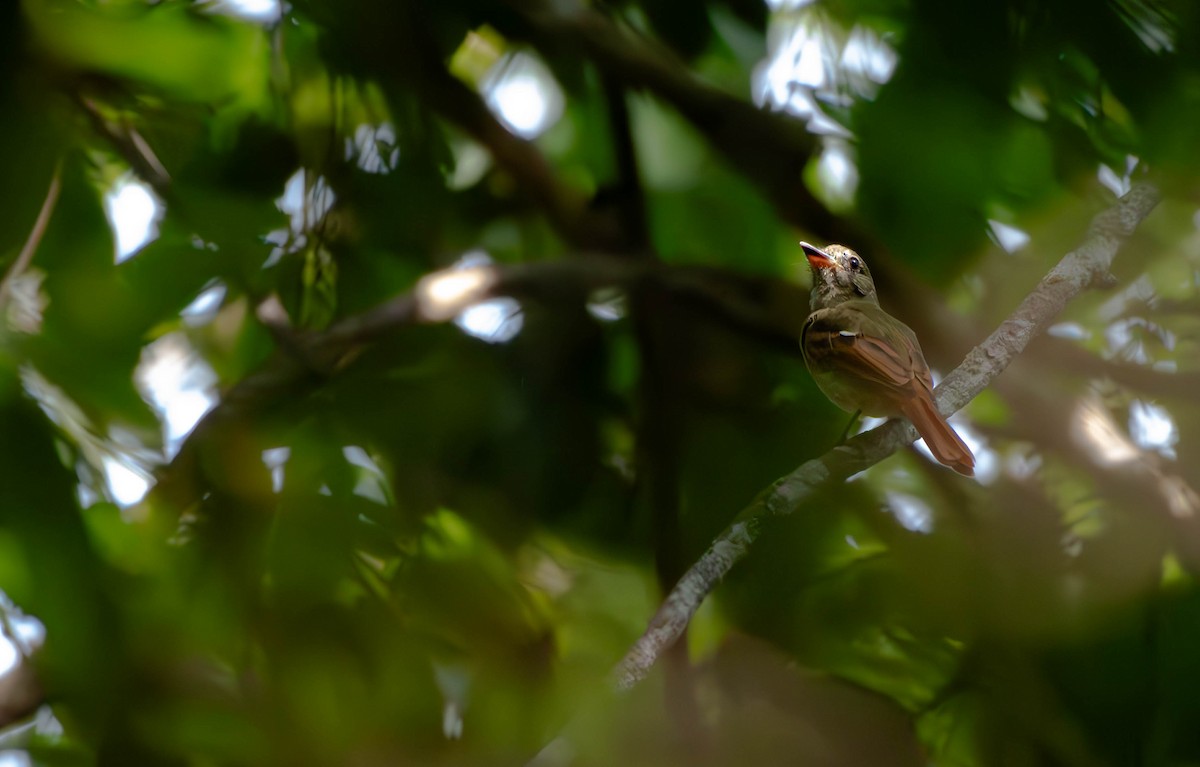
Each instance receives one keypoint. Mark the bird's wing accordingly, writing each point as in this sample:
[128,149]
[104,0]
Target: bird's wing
[859,343]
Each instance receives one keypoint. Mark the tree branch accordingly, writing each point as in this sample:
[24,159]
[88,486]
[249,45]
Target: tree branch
[767,310]
[25,257]
[1143,379]
[1079,269]
[567,208]
[628,198]
[129,143]
[770,149]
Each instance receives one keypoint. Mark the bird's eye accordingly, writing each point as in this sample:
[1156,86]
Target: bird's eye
[854,262]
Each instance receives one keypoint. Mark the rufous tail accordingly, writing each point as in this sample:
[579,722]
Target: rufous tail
[940,437]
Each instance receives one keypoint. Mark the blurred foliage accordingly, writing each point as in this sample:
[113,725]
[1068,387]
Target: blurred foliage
[432,548]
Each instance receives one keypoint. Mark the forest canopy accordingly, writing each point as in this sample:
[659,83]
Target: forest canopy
[390,382]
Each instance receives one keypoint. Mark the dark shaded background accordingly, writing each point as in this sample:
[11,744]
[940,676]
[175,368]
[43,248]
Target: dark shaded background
[468,529]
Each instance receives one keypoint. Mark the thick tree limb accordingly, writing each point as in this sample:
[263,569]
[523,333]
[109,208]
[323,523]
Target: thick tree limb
[1079,269]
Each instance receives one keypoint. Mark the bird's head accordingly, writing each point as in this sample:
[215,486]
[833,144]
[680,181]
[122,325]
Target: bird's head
[839,275]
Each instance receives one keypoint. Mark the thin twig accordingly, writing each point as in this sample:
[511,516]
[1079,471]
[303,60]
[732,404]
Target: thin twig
[130,144]
[25,257]
[1077,271]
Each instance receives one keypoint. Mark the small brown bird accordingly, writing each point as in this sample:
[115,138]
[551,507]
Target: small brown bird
[863,358]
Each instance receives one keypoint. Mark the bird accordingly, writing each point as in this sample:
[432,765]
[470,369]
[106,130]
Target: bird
[864,359]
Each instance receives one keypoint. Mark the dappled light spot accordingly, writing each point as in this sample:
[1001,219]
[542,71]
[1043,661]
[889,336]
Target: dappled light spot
[1072,331]
[22,635]
[305,199]
[911,512]
[445,293]
[454,683]
[199,243]
[1151,23]
[274,458]
[607,304]
[867,60]
[868,422]
[15,759]
[1022,464]
[203,309]
[1029,102]
[522,105]
[86,496]
[799,56]
[282,240]
[115,463]
[127,484]
[9,657]
[357,456]
[180,386]
[1165,366]
[1128,339]
[542,572]
[262,11]
[373,148]
[812,61]
[494,321]
[1118,185]
[837,174]
[452,721]
[523,94]
[1118,180]
[1094,429]
[451,291]
[1007,236]
[471,163]
[372,483]
[1152,428]
[460,292]
[44,726]
[133,212]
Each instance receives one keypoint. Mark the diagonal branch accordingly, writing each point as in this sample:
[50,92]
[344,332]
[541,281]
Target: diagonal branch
[1078,270]
[129,143]
[25,257]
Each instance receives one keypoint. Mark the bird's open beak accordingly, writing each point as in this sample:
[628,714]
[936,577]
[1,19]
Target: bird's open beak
[818,258]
